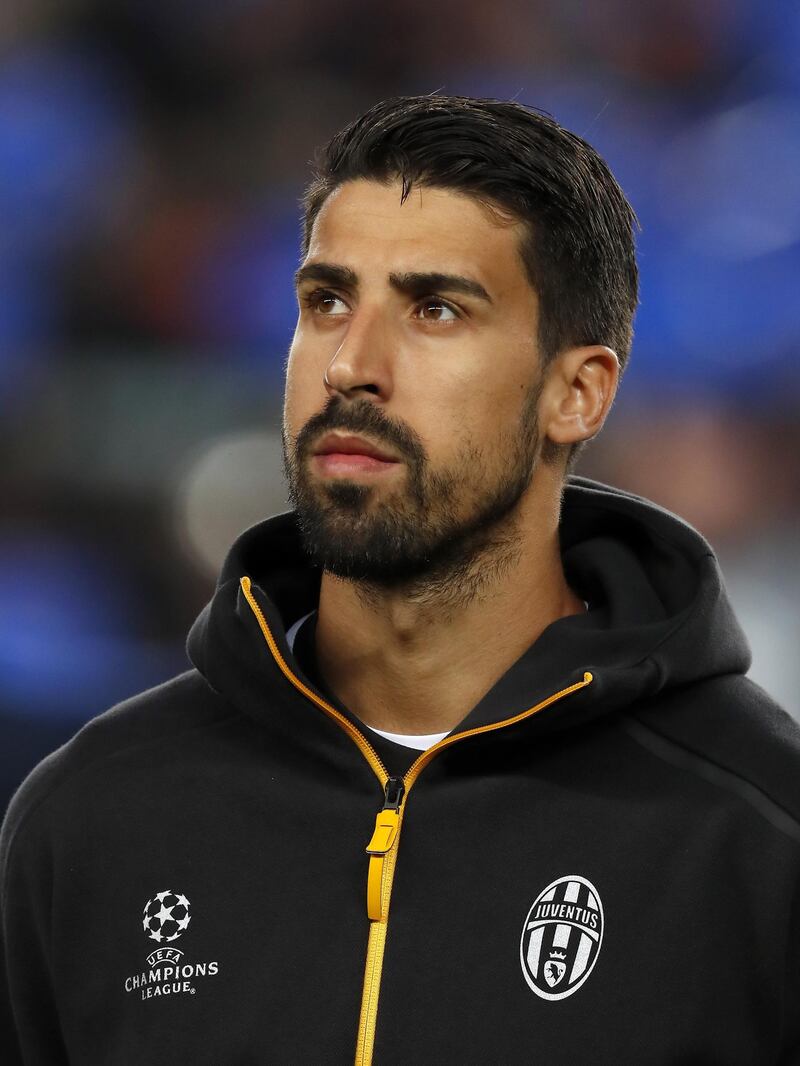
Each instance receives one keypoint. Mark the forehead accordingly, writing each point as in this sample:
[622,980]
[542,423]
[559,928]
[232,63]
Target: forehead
[363,224]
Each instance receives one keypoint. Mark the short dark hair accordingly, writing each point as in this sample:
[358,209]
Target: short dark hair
[579,250]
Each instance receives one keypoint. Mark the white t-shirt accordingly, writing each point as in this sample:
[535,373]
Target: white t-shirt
[420,741]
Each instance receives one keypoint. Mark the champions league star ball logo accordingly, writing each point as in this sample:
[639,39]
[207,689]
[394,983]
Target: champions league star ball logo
[166,916]
[169,973]
[561,937]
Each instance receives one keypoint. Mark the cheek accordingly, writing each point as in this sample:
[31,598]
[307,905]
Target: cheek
[304,394]
[483,433]
[450,436]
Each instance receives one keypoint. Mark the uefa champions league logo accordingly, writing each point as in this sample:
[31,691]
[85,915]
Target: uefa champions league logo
[166,916]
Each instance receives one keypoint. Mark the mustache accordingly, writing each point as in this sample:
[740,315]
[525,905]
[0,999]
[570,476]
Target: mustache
[360,417]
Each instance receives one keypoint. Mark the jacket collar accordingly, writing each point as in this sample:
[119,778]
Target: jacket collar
[660,615]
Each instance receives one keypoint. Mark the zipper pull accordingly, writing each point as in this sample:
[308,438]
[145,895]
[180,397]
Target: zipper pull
[388,818]
[387,824]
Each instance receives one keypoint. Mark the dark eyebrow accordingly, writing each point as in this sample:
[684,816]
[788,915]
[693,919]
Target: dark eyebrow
[417,284]
[414,284]
[329,273]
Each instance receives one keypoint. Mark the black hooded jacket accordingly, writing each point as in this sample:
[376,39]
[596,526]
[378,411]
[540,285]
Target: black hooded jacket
[599,865]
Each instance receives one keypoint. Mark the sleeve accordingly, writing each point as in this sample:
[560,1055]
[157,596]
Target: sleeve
[30,1032]
[790,1047]
[10,1051]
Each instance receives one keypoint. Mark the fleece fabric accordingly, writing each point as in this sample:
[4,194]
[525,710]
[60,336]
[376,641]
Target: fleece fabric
[612,880]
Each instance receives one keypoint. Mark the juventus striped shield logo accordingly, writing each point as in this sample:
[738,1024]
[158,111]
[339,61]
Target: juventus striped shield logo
[561,937]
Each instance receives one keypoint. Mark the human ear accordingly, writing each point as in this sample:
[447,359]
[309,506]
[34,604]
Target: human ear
[580,389]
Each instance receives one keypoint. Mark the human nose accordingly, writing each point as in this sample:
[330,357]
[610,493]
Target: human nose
[363,360]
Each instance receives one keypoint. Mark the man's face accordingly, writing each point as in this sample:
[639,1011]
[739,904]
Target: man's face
[441,375]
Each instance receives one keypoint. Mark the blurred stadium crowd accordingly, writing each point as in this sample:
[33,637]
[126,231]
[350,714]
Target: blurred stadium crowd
[152,153]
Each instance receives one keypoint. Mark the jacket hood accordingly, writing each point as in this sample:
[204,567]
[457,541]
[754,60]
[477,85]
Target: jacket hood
[659,615]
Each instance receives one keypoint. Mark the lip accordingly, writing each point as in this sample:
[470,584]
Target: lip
[350,445]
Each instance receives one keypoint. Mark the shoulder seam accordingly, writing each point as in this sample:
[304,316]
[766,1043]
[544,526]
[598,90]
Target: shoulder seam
[677,754]
[48,795]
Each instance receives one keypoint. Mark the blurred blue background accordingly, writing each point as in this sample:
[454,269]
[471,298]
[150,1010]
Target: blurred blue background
[152,155]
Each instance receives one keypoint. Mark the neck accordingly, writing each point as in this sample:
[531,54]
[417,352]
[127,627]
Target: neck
[417,659]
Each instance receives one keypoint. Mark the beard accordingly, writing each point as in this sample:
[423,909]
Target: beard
[446,530]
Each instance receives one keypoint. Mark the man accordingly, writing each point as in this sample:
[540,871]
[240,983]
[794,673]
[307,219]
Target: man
[522,691]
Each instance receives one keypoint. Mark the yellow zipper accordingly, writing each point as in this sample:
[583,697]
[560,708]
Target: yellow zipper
[367,749]
[382,847]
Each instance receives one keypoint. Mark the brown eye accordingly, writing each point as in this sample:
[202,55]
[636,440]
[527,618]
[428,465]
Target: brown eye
[325,303]
[442,312]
